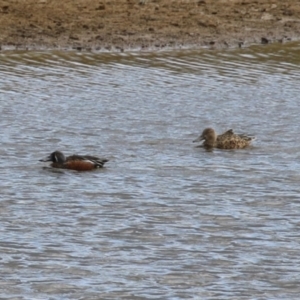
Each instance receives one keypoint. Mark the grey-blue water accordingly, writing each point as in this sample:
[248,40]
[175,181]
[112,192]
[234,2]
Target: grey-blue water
[164,219]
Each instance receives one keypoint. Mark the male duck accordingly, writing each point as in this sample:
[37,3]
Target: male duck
[75,162]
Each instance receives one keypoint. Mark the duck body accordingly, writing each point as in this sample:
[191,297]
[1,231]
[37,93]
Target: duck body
[75,162]
[226,140]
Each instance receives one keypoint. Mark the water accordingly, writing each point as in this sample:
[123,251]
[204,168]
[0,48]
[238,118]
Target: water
[164,219]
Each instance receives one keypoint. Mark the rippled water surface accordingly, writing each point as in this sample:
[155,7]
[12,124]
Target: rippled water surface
[164,219]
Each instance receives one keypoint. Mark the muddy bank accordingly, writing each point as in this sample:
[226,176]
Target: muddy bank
[120,25]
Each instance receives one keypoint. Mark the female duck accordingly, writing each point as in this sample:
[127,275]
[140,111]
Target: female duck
[227,140]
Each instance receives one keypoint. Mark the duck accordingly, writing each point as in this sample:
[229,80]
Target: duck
[226,140]
[74,162]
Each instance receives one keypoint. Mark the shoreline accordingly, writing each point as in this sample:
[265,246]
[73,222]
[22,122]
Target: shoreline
[145,25]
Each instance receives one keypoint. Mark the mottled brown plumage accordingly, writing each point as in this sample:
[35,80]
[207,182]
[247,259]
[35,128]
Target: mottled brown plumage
[227,140]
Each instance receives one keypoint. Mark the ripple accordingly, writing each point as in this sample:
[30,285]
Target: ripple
[164,219]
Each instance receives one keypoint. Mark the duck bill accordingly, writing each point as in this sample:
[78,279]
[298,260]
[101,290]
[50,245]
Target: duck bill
[48,158]
[199,139]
